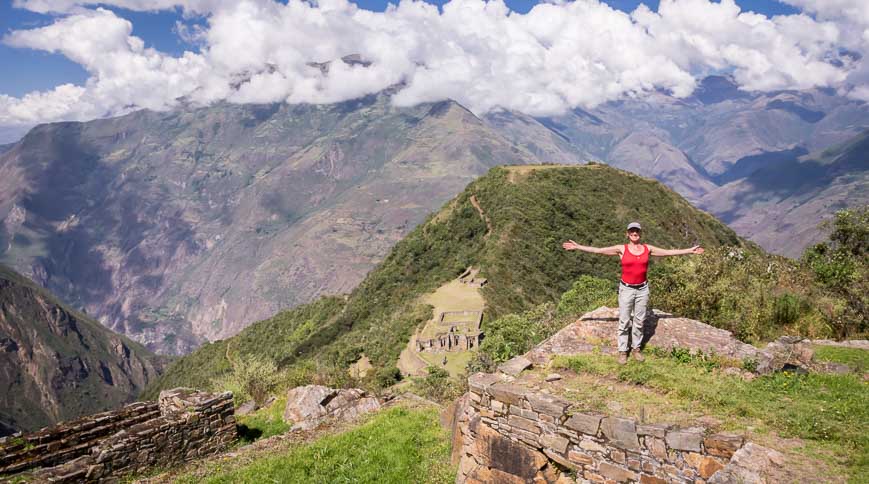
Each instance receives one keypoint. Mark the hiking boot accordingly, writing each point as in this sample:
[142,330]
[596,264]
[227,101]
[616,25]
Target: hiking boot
[623,357]
[638,355]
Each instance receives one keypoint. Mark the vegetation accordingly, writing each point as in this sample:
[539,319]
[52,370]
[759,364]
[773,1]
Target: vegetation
[857,360]
[828,410]
[535,287]
[842,266]
[438,386]
[252,378]
[263,423]
[395,445]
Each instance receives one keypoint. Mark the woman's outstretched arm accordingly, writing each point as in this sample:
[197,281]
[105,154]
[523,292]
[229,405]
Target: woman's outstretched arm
[658,252]
[612,250]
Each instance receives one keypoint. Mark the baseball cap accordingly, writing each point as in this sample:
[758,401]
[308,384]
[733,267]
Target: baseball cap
[635,225]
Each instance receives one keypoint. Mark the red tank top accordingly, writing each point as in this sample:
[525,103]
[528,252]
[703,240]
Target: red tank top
[634,267]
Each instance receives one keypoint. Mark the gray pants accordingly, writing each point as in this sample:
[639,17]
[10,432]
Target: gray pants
[632,302]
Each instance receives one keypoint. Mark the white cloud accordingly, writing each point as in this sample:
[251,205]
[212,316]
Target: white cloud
[557,56]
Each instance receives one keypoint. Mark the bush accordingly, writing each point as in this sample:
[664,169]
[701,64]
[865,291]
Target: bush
[588,293]
[437,385]
[252,378]
[386,377]
[514,334]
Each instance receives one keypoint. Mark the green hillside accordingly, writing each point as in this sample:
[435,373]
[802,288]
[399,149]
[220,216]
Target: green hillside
[531,211]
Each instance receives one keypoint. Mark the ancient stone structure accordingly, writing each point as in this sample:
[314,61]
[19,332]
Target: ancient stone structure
[469,277]
[461,335]
[511,433]
[309,405]
[182,425]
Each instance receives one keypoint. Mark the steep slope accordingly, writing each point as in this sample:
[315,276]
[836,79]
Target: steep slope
[530,211]
[781,205]
[176,228]
[57,364]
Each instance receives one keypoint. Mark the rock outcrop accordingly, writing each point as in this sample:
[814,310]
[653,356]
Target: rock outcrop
[58,364]
[310,405]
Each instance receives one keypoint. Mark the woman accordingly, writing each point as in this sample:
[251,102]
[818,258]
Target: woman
[633,287]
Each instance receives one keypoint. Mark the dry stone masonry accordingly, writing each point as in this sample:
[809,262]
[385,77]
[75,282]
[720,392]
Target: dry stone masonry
[182,425]
[511,433]
[310,405]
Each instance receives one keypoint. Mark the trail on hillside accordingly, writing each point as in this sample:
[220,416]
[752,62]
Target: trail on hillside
[483,215]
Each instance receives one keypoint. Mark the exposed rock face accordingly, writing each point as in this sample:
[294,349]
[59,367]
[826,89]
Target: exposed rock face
[181,227]
[58,364]
[310,405]
[599,328]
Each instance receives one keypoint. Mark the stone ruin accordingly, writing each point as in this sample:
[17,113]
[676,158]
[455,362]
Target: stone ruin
[513,428]
[183,425]
[469,278]
[512,433]
[459,335]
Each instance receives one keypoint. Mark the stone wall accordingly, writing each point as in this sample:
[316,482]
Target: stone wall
[183,425]
[66,441]
[510,433]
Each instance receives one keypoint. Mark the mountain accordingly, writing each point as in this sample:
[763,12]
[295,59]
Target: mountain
[57,364]
[716,136]
[781,204]
[525,213]
[180,227]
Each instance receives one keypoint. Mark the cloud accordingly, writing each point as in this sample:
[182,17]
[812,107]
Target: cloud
[557,56]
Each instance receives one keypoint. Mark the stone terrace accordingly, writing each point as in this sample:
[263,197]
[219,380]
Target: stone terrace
[183,425]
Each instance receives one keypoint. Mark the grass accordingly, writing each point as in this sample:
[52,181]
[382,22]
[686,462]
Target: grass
[398,445]
[457,361]
[857,359]
[263,423]
[827,411]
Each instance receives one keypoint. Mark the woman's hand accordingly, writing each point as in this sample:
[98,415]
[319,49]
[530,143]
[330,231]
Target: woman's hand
[696,250]
[570,245]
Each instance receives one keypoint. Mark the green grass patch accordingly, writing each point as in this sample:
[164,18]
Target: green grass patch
[396,445]
[829,410]
[856,358]
[263,423]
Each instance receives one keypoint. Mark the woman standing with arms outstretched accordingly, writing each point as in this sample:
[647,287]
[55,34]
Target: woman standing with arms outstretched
[633,287]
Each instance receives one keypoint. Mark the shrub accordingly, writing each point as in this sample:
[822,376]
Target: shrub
[586,294]
[251,378]
[437,385]
[386,377]
[514,334]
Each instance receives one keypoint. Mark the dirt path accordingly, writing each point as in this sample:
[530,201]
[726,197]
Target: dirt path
[483,215]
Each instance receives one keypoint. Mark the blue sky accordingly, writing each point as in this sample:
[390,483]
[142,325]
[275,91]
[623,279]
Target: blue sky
[38,71]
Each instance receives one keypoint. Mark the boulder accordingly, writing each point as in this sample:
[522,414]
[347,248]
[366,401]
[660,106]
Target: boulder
[310,405]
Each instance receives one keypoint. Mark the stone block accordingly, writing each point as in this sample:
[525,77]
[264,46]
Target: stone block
[616,473]
[560,459]
[723,445]
[480,382]
[655,430]
[685,439]
[547,404]
[693,459]
[515,366]
[508,393]
[709,466]
[656,447]
[647,479]
[523,423]
[622,432]
[585,423]
[634,464]
[591,445]
[617,456]
[554,442]
[580,458]
[497,406]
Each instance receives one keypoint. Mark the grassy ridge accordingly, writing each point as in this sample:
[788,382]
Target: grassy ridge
[531,211]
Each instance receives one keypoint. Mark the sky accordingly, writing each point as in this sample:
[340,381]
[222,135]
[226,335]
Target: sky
[79,60]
